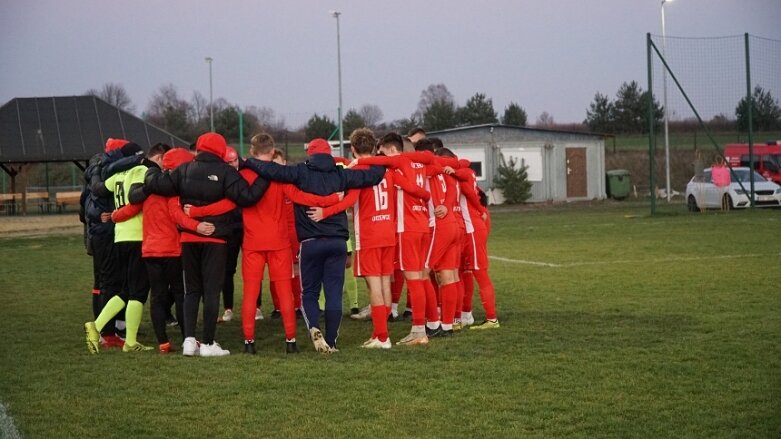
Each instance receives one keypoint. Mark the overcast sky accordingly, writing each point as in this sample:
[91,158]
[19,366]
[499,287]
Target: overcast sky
[546,55]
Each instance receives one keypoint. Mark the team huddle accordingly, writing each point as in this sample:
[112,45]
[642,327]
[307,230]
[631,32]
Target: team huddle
[171,223]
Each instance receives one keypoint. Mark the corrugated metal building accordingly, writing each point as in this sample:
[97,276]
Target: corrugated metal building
[562,165]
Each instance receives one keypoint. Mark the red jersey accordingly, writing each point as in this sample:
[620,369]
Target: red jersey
[444,192]
[161,216]
[469,201]
[411,210]
[265,223]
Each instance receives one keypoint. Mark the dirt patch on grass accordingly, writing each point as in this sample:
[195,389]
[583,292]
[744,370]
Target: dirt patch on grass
[12,226]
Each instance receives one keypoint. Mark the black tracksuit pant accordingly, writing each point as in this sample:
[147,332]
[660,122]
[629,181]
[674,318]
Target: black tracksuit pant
[204,274]
[165,277]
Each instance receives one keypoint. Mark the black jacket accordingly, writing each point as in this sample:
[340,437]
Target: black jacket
[319,175]
[95,198]
[206,180]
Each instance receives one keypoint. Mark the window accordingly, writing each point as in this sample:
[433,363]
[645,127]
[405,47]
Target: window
[476,157]
[526,156]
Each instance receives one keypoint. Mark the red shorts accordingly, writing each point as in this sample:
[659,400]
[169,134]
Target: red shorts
[474,253]
[280,264]
[373,262]
[445,250]
[412,250]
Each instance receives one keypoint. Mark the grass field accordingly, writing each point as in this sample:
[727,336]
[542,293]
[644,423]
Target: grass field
[614,324]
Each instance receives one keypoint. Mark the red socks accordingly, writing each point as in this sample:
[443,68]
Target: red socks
[396,286]
[449,293]
[380,321]
[487,295]
[468,281]
[416,290]
[432,314]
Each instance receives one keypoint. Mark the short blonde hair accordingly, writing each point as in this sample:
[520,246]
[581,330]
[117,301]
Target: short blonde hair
[261,143]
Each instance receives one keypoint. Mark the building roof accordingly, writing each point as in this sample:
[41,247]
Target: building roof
[514,127]
[68,128]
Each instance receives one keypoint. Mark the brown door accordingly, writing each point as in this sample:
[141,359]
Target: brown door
[576,172]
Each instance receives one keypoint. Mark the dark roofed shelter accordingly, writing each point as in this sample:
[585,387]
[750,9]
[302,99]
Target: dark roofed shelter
[66,129]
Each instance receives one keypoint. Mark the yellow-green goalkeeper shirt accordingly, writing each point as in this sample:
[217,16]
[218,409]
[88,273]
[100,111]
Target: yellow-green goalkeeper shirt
[119,184]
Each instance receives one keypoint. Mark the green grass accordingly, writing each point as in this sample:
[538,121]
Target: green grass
[638,326]
[686,141]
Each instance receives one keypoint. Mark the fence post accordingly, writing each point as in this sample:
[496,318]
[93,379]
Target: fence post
[651,139]
[750,104]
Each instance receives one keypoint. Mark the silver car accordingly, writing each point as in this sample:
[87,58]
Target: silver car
[701,193]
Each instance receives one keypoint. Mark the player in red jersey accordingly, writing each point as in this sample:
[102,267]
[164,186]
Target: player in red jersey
[475,251]
[290,216]
[411,227]
[445,248]
[374,219]
[265,242]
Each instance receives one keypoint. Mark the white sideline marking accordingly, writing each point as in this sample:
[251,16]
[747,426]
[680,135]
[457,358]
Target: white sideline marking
[631,261]
[7,427]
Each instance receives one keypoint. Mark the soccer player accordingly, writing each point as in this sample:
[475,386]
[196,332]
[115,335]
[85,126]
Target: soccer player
[475,251]
[445,249]
[411,228]
[374,219]
[99,235]
[234,239]
[205,180]
[266,242]
[129,285]
[161,247]
[323,250]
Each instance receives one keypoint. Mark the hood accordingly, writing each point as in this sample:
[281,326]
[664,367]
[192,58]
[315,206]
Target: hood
[321,162]
[175,157]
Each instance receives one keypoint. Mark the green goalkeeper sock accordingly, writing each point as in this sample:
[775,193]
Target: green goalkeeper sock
[112,308]
[351,288]
[133,320]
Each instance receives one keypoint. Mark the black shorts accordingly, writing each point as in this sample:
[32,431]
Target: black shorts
[131,271]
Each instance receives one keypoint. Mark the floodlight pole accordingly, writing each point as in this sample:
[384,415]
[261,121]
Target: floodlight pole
[211,95]
[336,15]
[666,110]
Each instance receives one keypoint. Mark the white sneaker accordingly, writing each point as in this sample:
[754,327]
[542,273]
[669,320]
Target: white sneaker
[375,343]
[363,314]
[258,314]
[227,316]
[190,347]
[318,341]
[467,319]
[213,350]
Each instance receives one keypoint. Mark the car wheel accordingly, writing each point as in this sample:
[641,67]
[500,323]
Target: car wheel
[726,203]
[691,203]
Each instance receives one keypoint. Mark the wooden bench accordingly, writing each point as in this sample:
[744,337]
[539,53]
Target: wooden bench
[64,199]
[13,202]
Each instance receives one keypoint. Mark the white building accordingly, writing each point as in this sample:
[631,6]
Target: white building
[562,165]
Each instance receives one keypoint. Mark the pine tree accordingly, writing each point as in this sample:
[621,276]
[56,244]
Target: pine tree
[513,181]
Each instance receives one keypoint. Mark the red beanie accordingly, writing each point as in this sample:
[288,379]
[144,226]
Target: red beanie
[212,143]
[464,163]
[318,146]
[175,157]
[230,154]
[112,144]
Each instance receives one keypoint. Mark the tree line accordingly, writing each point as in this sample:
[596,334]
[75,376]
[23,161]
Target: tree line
[436,110]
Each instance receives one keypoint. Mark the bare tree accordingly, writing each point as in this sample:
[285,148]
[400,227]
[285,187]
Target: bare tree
[371,115]
[199,106]
[545,120]
[114,94]
[434,93]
